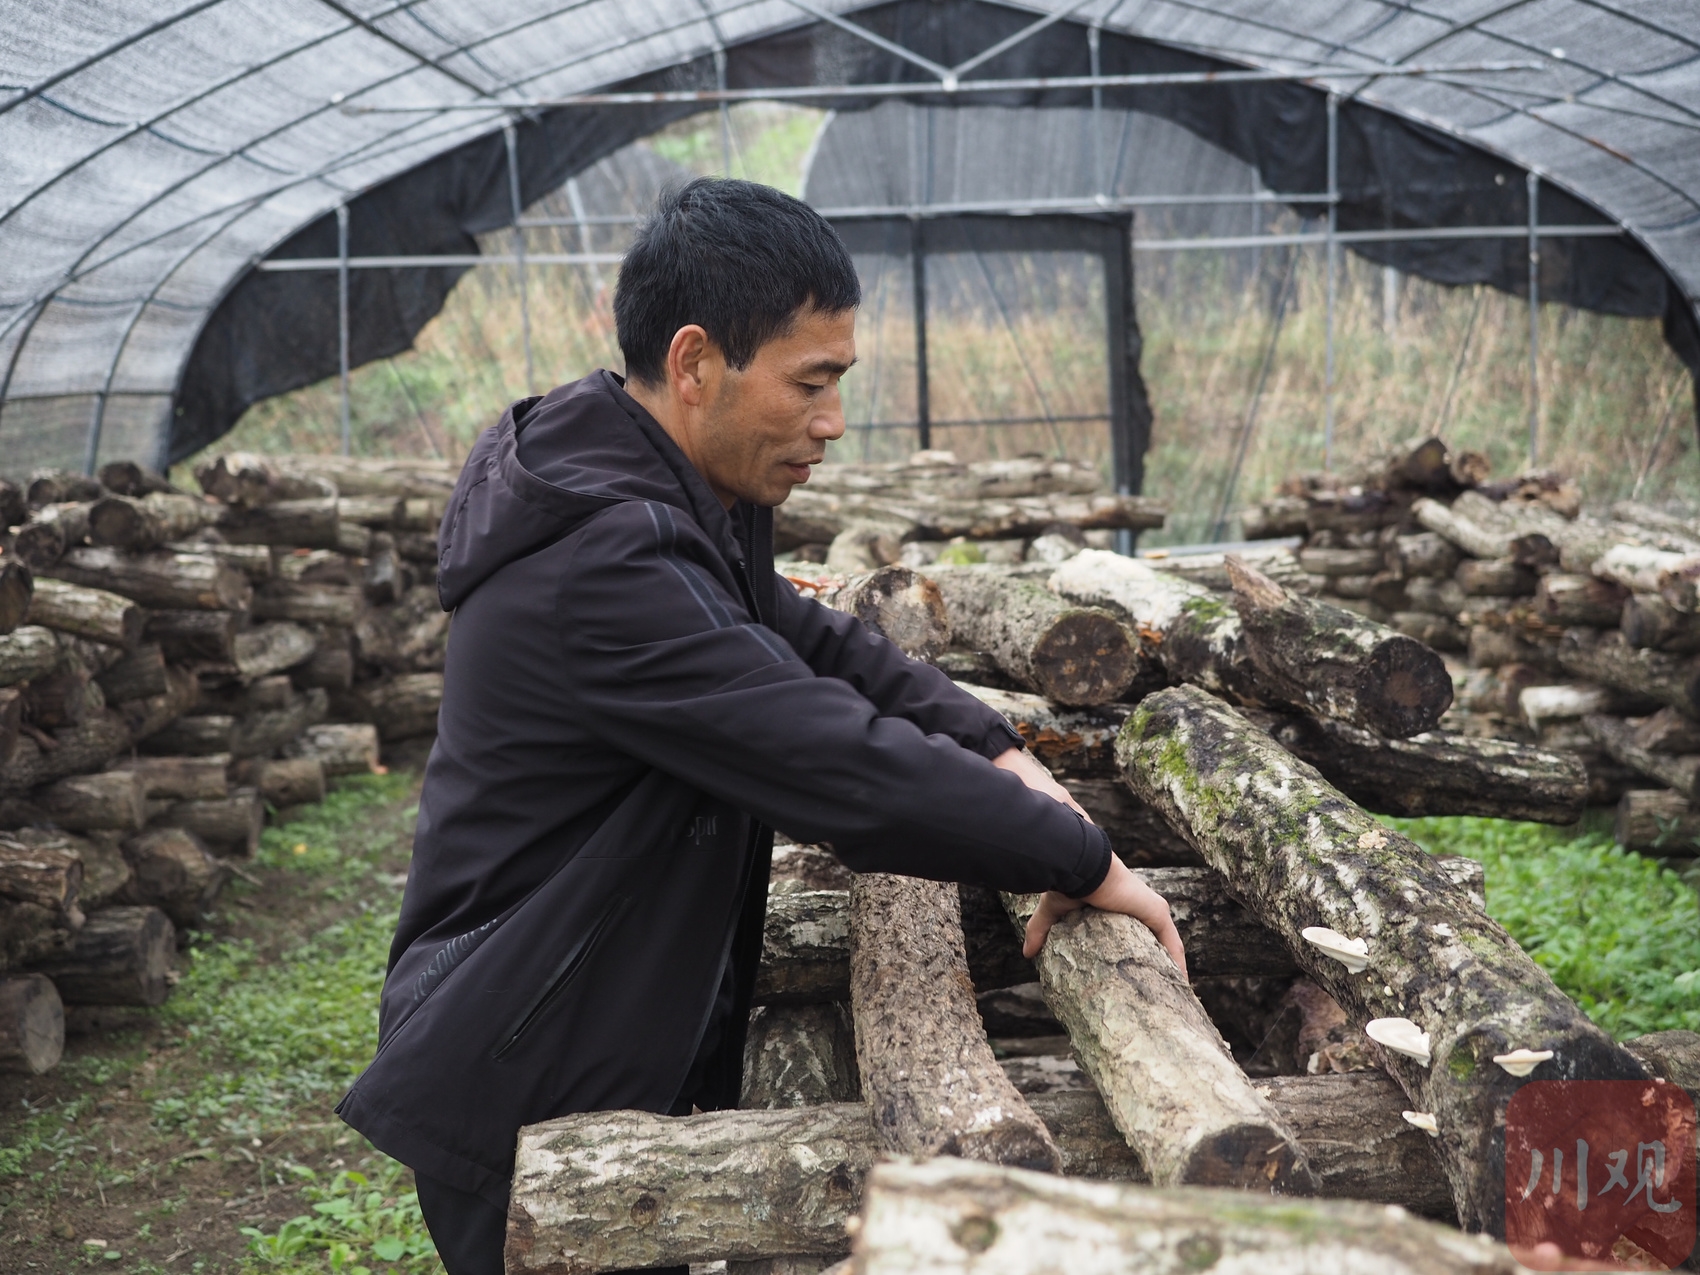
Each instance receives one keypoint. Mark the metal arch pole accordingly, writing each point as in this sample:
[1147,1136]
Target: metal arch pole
[1330,250]
[511,140]
[725,112]
[1094,37]
[918,263]
[1534,184]
[342,322]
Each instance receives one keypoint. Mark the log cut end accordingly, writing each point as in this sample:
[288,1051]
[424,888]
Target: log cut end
[1410,680]
[1085,658]
[1249,1158]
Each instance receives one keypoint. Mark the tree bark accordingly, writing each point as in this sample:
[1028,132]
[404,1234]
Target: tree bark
[54,486]
[1648,620]
[11,721]
[17,585]
[128,478]
[1609,660]
[1658,821]
[300,524]
[160,578]
[32,1025]
[952,1218]
[929,1076]
[78,749]
[271,648]
[126,522]
[306,602]
[1492,647]
[292,781]
[259,734]
[180,778]
[201,735]
[82,803]
[175,872]
[1576,599]
[380,512]
[1074,743]
[64,696]
[1070,654]
[1328,660]
[1437,773]
[1341,562]
[405,706]
[1679,771]
[1167,1077]
[30,932]
[147,717]
[244,478]
[257,562]
[97,614]
[1298,854]
[1140,836]
[49,876]
[899,604]
[43,540]
[1501,577]
[120,957]
[330,667]
[1671,1055]
[1441,632]
[1668,731]
[345,748]
[799,1056]
[1423,554]
[139,673]
[816,517]
[195,637]
[14,509]
[230,825]
[26,653]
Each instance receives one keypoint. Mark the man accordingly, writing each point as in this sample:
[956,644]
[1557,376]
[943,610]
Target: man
[634,700]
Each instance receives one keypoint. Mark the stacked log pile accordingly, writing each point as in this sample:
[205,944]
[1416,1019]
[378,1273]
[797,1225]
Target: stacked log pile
[1231,727]
[173,667]
[1576,631]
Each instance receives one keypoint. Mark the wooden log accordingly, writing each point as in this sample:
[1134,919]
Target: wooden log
[138,673]
[900,605]
[1436,773]
[929,1076]
[865,546]
[291,781]
[816,517]
[1617,738]
[32,1024]
[136,524]
[1436,597]
[342,748]
[1341,562]
[303,524]
[1475,540]
[98,614]
[271,648]
[799,1056]
[55,486]
[1298,854]
[230,825]
[1139,835]
[199,735]
[383,512]
[159,578]
[1070,654]
[1640,568]
[1496,576]
[331,666]
[144,718]
[1076,743]
[245,478]
[308,603]
[1275,518]
[1577,599]
[805,949]
[1609,660]
[127,478]
[1670,1055]
[27,653]
[1542,703]
[14,509]
[1321,657]
[1668,731]
[1422,554]
[405,707]
[50,876]
[1167,1077]
[417,546]
[1648,620]
[385,578]
[43,540]
[1658,821]
[76,750]
[1493,647]
[1438,631]
[195,637]
[64,696]
[257,562]
[174,872]
[17,586]
[951,1218]
[11,721]
[121,956]
[180,778]
[30,932]
[371,476]
[113,799]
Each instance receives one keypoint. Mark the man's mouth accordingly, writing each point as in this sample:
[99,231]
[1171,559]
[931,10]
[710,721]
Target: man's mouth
[800,469]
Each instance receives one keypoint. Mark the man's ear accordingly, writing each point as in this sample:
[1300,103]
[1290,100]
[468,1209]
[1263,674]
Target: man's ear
[689,359]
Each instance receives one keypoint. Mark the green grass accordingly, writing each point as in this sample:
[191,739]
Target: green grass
[1619,933]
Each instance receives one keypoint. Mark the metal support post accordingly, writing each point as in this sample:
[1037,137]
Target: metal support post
[512,141]
[918,261]
[1534,182]
[725,113]
[1093,39]
[1330,249]
[342,321]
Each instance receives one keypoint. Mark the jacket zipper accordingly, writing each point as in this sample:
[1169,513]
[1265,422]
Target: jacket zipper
[564,973]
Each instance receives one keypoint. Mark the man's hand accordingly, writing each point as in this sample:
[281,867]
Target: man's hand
[1031,771]
[1123,890]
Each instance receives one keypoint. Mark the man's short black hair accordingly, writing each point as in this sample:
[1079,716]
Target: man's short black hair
[738,259]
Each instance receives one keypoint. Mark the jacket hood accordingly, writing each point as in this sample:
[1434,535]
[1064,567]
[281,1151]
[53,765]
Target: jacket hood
[551,463]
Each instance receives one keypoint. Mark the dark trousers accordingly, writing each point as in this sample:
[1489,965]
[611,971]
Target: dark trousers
[470,1232]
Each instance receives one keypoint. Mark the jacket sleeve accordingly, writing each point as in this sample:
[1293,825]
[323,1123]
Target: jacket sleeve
[667,665]
[834,644]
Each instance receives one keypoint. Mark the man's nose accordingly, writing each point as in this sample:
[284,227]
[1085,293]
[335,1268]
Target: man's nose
[828,421]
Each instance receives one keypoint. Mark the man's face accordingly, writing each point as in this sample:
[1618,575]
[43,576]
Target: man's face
[760,429]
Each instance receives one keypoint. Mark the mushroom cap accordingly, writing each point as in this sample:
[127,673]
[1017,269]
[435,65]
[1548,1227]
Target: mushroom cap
[1352,953]
[1424,1121]
[1400,1035]
[1520,1062]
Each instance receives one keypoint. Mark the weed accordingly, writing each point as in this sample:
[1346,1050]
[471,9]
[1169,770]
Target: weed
[355,1219]
[1619,933]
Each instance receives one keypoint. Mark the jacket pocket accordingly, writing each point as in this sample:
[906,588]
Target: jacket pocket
[564,974]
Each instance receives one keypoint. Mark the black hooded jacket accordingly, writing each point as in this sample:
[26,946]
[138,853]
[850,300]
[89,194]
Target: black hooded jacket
[632,701]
